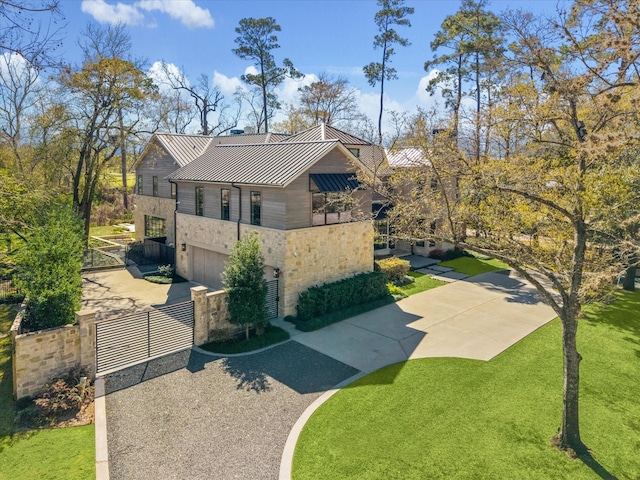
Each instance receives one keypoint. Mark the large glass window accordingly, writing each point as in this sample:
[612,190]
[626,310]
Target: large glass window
[225,202]
[139,185]
[256,208]
[331,207]
[200,201]
[154,227]
[155,186]
[381,239]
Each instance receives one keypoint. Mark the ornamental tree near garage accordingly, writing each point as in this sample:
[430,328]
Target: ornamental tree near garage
[245,284]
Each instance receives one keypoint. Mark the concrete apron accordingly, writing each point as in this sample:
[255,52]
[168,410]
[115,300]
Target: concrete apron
[476,318]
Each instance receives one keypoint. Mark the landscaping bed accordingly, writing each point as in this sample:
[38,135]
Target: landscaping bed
[239,344]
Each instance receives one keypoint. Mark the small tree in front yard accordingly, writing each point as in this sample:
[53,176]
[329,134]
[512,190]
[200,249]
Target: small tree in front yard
[49,268]
[245,284]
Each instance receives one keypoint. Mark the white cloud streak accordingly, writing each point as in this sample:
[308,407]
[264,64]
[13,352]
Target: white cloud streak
[185,11]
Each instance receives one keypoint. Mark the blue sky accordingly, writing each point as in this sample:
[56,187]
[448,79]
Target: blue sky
[332,36]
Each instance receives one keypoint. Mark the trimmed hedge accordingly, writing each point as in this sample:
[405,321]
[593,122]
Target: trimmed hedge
[332,297]
[449,254]
[393,267]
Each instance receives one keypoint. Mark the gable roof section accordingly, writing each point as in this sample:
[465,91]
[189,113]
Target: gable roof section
[325,132]
[407,157]
[183,148]
[272,164]
[248,138]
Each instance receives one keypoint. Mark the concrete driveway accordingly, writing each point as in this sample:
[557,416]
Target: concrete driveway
[113,293]
[476,318]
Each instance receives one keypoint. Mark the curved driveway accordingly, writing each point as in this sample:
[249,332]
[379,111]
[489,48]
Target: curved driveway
[191,415]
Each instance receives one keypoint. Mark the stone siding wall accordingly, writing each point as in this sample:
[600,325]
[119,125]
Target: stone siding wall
[324,254]
[39,357]
[210,315]
[156,207]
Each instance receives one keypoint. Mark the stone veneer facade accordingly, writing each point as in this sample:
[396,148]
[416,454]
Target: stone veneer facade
[306,256]
[155,207]
[40,357]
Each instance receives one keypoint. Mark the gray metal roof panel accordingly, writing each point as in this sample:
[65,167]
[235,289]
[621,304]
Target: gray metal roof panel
[407,157]
[325,132]
[274,164]
[183,148]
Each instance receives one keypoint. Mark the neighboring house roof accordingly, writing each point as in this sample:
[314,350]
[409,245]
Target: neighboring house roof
[326,132]
[183,148]
[406,157]
[250,138]
[273,164]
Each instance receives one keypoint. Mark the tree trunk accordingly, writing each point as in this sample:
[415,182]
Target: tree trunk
[629,282]
[568,438]
[123,162]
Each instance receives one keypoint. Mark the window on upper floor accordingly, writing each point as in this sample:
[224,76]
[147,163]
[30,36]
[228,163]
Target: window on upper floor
[174,190]
[225,204]
[139,185]
[331,207]
[199,201]
[155,186]
[355,152]
[256,208]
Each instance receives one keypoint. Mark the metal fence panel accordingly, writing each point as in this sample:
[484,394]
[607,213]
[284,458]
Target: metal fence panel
[133,338]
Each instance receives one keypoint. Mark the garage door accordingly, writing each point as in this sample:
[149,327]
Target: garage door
[207,266]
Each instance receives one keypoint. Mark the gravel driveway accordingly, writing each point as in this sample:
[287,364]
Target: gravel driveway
[191,415]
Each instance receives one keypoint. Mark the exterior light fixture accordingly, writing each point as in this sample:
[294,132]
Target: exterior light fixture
[184,247]
[276,272]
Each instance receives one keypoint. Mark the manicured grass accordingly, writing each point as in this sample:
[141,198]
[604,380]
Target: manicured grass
[61,453]
[457,418]
[65,453]
[272,336]
[7,316]
[102,230]
[474,266]
[161,279]
[423,282]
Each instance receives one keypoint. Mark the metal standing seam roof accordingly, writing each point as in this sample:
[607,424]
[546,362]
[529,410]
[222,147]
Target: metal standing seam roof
[325,132]
[249,138]
[183,148]
[274,164]
[407,157]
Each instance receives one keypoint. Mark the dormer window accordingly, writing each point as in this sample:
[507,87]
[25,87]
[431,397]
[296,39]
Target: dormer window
[355,152]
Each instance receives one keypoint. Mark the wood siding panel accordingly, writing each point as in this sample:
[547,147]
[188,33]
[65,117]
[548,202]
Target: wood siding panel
[156,162]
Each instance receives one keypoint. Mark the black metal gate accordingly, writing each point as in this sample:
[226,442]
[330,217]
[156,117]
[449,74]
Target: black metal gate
[126,340]
[272,298]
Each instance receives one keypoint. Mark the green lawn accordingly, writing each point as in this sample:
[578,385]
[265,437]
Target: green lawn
[422,282]
[7,316]
[65,453]
[457,418]
[474,266]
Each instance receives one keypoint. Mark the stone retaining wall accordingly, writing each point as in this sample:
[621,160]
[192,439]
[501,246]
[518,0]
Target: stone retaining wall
[39,357]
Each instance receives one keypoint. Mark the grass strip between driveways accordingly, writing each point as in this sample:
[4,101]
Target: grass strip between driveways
[422,283]
[457,418]
[474,266]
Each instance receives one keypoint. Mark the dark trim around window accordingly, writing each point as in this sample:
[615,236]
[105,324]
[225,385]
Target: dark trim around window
[200,201]
[225,204]
[139,185]
[256,208]
[155,186]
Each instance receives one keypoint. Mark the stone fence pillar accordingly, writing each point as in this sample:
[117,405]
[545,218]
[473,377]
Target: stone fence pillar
[200,315]
[86,320]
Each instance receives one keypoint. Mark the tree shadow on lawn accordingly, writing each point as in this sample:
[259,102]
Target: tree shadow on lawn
[296,366]
[623,314]
[597,468]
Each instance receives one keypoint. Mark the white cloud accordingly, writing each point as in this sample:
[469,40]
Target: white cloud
[227,85]
[424,98]
[159,76]
[186,11]
[105,12]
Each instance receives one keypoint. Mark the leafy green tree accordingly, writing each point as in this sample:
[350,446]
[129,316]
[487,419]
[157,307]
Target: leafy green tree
[255,42]
[392,12]
[561,211]
[473,48]
[245,284]
[49,267]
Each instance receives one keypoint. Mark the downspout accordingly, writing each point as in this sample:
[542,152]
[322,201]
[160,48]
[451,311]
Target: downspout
[239,207]
[175,228]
